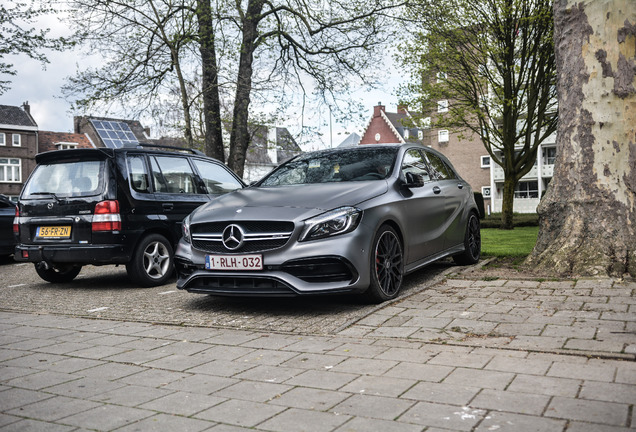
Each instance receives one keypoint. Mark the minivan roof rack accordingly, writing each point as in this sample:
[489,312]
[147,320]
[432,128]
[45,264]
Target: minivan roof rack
[161,146]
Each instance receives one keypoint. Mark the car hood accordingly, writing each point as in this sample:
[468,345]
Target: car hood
[288,202]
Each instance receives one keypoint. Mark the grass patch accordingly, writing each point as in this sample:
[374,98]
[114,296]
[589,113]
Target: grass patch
[508,243]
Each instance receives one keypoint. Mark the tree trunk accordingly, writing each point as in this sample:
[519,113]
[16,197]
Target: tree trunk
[240,137]
[588,215]
[508,202]
[210,83]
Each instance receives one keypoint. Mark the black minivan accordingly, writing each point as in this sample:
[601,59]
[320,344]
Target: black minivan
[113,206]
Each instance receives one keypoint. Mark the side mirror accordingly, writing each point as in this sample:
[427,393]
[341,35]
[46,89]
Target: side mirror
[413,180]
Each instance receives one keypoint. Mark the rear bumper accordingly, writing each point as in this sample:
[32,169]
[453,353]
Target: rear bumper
[77,254]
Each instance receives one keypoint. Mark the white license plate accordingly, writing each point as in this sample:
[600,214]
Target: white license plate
[234,262]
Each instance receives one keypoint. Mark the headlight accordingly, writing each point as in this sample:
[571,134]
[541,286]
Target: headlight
[185,229]
[338,221]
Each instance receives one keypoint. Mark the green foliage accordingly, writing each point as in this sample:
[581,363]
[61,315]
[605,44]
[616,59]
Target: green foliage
[17,36]
[518,242]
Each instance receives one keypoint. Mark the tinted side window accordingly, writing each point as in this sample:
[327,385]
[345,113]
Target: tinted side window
[415,163]
[139,178]
[441,171]
[172,175]
[217,179]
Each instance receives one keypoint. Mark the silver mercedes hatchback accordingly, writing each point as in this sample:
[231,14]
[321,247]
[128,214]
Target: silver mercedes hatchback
[352,220]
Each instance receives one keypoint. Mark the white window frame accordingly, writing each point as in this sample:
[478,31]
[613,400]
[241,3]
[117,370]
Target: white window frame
[486,191]
[442,105]
[3,139]
[442,136]
[441,76]
[485,164]
[66,145]
[420,134]
[19,144]
[406,134]
[15,169]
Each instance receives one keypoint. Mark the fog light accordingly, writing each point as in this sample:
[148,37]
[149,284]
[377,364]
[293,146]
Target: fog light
[25,254]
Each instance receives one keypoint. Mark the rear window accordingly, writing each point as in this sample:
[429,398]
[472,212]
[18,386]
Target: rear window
[69,179]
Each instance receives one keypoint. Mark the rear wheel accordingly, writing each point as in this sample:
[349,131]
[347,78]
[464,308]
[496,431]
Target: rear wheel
[57,274]
[153,261]
[472,243]
[387,266]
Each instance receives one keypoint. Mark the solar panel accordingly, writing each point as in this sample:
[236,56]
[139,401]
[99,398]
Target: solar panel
[114,134]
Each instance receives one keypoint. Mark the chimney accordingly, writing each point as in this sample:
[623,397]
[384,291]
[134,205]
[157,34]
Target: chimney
[26,107]
[378,109]
[402,108]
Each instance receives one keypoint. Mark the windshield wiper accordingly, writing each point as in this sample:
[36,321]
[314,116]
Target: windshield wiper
[46,193]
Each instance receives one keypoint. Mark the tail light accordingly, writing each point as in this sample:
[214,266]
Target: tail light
[106,216]
[16,222]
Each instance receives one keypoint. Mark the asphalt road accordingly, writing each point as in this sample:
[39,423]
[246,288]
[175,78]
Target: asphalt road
[106,292]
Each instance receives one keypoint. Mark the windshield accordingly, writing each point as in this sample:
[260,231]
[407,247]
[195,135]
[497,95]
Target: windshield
[335,166]
[65,179]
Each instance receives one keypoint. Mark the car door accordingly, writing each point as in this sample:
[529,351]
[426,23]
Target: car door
[454,190]
[423,209]
[176,188]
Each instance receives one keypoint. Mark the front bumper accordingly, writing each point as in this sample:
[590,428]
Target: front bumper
[339,264]
[76,254]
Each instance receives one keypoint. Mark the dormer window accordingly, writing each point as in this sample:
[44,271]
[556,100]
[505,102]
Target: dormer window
[65,145]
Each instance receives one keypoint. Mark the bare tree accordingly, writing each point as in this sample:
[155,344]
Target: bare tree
[18,36]
[588,216]
[493,61]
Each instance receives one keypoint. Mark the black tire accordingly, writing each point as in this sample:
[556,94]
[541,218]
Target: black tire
[152,263]
[386,266]
[472,242]
[58,274]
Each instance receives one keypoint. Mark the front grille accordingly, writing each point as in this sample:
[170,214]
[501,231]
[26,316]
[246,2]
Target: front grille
[260,236]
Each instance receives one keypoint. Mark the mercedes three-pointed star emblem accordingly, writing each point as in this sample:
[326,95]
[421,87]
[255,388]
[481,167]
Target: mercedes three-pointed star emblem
[233,237]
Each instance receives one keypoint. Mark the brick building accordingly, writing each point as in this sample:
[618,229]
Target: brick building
[18,147]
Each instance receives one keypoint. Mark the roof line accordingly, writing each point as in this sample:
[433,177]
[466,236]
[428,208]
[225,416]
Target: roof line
[393,129]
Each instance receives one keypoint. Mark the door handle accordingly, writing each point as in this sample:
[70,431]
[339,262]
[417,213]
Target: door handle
[167,206]
[436,190]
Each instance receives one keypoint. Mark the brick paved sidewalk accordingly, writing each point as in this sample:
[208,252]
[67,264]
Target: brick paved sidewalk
[593,317]
[65,374]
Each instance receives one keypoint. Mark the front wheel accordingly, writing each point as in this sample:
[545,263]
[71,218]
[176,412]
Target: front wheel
[387,266]
[57,274]
[472,243]
[153,261]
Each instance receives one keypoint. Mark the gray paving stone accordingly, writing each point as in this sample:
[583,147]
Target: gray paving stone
[270,374]
[582,371]
[111,371]
[379,386]
[515,329]
[442,393]
[519,403]
[452,359]
[573,331]
[131,395]
[313,361]
[421,372]
[595,345]
[322,379]
[97,352]
[397,332]
[224,368]
[373,406]
[202,384]
[362,424]
[164,422]
[358,350]
[183,403]
[576,426]
[107,417]
[545,385]
[540,343]
[519,365]
[364,366]
[299,420]
[253,391]
[308,398]
[480,378]
[267,357]
[510,422]
[267,341]
[240,413]
[84,388]
[406,355]
[610,392]
[53,409]
[15,398]
[36,426]
[609,413]
[40,380]
[455,418]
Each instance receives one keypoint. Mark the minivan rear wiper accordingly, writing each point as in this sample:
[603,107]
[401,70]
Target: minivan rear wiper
[46,193]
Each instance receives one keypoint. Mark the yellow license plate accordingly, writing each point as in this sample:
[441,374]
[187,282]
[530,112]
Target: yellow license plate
[54,232]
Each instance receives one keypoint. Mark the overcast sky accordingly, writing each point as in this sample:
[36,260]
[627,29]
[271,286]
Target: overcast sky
[41,88]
